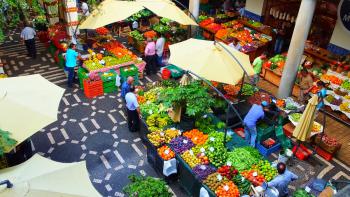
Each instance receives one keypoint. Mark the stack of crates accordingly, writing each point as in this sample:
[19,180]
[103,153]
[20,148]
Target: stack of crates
[82,74]
[108,79]
[93,88]
[264,132]
[129,71]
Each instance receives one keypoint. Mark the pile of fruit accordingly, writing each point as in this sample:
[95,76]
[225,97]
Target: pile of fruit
[228,189]
[202,157]
[157,122]
[231,90]
[206,22]
[243,158]
[331,78]
[265,169]
[190,158]
[171,134]
[346,84]
[214,27]
[102,31]
[141,99]
[166,153]
[259,97]
[248,90]
[302,193]
[227,171]
[206,124]
[345,107]
[148,108]
[213,181]
[217,154]
[203,171]
[254,177]
[137,35]
[196,136]
[222,34]
[181,144]
[242,184]
[244,36]
[295,117]
[156,138]
[150,34]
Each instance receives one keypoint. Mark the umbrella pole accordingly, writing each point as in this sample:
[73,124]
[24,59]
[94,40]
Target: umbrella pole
[7,182]
[220,94]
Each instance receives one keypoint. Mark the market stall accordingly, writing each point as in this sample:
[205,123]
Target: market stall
[324,66]
[254,37]
[203,160]
[172,31]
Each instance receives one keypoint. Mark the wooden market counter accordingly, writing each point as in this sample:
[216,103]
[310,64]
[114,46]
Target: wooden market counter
[275,78]
[263,29]
[321,54]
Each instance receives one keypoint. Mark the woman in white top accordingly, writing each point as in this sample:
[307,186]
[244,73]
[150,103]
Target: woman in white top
[160,49]
[85,8]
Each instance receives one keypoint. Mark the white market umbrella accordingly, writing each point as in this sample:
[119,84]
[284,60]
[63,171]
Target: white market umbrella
[27,104]
[41,177]
[167,9]
[110,11]
[210,60]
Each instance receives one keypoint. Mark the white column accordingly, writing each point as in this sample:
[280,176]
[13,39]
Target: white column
[71,15]
[194,8]
[296,48]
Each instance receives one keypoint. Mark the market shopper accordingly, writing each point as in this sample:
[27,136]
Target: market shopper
[85,8]
[71,57]
[322,93]
[28,38]
[256,113]
[133,110]
[306,83]
[282,180]
[235,44]
[126,86]
[257,66]
[150,57]
[160,49]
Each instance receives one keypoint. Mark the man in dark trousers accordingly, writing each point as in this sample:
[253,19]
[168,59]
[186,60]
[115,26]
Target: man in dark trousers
[133,110]
[28,37]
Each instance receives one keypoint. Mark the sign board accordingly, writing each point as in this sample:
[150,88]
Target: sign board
[344,14]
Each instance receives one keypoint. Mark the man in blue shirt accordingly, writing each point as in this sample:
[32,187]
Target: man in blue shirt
[255,113]
[126,86]
[281,181]
[133,110]
[71,62]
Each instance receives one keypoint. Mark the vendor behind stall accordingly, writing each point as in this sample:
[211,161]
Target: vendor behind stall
[282,181]
[306,83]
[257,66]
[256,113]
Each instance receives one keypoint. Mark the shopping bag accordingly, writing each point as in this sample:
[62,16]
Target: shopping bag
[169,167]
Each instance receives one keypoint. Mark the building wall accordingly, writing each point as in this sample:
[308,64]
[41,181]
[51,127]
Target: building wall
[254,9]
[340,41]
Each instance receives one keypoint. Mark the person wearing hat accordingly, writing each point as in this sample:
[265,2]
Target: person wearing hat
[256,113]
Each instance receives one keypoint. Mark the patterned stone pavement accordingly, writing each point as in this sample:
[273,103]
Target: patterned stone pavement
[95,130]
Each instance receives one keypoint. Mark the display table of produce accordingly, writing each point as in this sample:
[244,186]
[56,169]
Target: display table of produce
[316,128]
[204,162]
[93,73]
